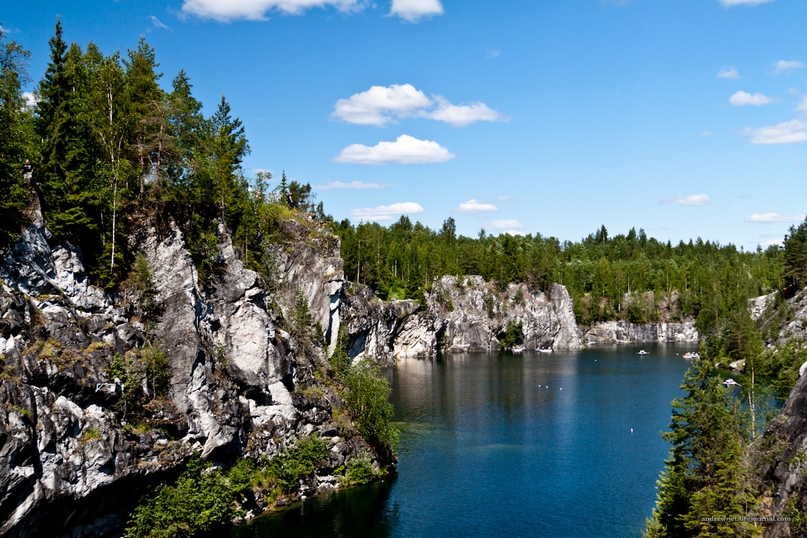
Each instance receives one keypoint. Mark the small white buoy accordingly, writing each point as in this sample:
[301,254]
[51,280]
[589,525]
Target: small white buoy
[631,430]
[561,388]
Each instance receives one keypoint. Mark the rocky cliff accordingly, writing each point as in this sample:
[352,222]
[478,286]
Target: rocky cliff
[779,464]
[778,458]
[459,314]
[621,332]
[78,445]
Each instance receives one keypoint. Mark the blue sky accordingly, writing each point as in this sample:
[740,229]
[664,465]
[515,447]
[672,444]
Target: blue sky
[687,118]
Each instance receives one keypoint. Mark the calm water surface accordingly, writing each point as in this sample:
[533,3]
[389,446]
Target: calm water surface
[549,445]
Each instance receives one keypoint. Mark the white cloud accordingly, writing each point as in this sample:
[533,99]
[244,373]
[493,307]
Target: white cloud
[787,66]
[730,3]
[802,107]
[158,23]
[462,115]
[415,10]
[226,10]
[405,150]
[692,200]
[729,73]
[770,242]
[473,206]
[784,133]
[386,212]
[353,185]
[380,105]
[30,99]
[506,223]
[742,98]
[770,218]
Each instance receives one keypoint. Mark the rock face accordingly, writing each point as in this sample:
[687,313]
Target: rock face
[625,332]
[74,452]
[779,461]
[459,314]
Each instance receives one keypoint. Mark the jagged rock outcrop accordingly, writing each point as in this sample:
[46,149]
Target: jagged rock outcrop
[621,332]
[459,314]
[310,265]
[75,453]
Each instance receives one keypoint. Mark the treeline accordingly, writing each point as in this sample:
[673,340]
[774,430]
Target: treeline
[627,276]
[110,147]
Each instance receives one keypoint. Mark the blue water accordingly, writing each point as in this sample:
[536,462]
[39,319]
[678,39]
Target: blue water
[561,444]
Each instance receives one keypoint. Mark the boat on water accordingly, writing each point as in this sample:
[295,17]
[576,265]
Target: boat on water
[731,383]
[543,349]
[517,349]
[642,352]
[692,355]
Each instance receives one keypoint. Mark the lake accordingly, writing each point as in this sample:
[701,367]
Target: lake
[496,444]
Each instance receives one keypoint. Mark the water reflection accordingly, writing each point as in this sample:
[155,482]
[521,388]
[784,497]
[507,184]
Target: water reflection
[360,511]
[561,444]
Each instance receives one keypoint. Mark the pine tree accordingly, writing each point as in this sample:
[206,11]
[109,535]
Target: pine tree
[795,257]
[15,122]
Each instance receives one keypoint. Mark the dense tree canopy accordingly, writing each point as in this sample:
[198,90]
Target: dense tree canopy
[609,278]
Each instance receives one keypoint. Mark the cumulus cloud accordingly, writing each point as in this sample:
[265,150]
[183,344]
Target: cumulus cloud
[158,23]
[729,73]
[382,105]
[226,10]
[692,199]
[462,115]
[742,98]
[730,3]
[386,212]
[405,150]
[786,132]
[416,10]
[787,66]
[30,99]
[473,206]
[802,107]
[772,218]
[353,185]
[505,223]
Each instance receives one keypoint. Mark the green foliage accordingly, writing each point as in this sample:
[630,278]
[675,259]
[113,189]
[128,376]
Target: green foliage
[360,470]
[298,462]
[795,256]
[200,501]
[513,335]
[366,393]
[143,373]
[16,135]
[781,366]
[140,286]
[704,475]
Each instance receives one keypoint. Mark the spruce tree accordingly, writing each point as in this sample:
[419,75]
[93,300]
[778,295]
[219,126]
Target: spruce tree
[704,478]
[15,121]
